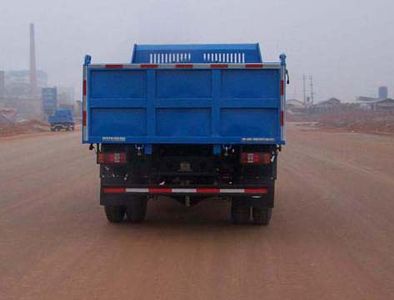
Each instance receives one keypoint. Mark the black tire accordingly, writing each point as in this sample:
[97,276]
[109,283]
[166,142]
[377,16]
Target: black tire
[262,215]
[136,210]
[240,212]
[115,214]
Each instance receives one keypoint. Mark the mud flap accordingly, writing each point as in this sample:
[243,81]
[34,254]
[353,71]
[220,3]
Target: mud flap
[264,201]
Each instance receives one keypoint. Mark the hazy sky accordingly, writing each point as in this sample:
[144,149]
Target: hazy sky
[347,45]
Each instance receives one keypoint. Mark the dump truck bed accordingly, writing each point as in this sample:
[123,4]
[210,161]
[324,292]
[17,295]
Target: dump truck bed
[163,101]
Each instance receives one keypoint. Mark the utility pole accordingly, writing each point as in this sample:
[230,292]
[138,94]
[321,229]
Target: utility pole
[312,92]
[304,88]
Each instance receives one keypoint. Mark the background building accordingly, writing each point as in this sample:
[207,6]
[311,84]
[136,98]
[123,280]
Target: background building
[17,83]
[383,92]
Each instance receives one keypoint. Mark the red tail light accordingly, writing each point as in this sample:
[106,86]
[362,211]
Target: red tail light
[112,158]
[256,158]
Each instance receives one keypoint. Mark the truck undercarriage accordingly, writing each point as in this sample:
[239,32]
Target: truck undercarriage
[242,174]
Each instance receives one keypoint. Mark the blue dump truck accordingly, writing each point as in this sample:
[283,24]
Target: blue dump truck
[190,122]
[62,119]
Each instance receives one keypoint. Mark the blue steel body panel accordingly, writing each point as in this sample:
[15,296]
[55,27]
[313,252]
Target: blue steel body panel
[177,106]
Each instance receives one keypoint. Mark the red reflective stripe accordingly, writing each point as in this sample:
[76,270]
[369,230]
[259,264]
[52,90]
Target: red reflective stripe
[208,191]
[282,87]
[253,66]
[219,66]
[84,88]
[113,190]
[149,66]
[114,66]
[119,190]
[160,190]
[184,66]
[256,191]
[84,118]
[282,118]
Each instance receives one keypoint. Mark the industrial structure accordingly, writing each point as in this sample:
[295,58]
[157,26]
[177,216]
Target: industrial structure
[33,67]
[383,93]
[21,90]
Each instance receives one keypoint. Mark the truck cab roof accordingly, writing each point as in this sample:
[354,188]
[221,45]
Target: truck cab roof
[193,53]
[61,115]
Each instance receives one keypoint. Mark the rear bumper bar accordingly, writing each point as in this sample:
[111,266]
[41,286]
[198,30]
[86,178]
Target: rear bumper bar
[185,191]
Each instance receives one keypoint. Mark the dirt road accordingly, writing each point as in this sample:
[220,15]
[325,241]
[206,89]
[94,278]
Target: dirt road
[331,237]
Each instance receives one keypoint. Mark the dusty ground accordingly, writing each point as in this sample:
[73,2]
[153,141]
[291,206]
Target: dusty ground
[360,121]
[373,122]
[24,127]
[331,237]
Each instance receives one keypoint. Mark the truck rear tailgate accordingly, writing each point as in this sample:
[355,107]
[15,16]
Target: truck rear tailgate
[184,103]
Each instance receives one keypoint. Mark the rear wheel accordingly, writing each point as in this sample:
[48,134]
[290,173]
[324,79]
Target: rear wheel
[115,214]
[240,212]
[262,215]
[136,209]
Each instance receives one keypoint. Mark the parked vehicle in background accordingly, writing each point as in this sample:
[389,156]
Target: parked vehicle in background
[192,122]
[62,119]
